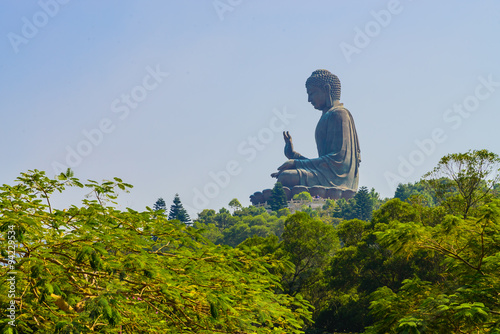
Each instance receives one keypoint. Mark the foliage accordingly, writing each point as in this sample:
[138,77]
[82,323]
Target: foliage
[178,212]
[96,269]
[303,196]
[304,254]
[307,208]
[209,231]
[463,181]
[326,213]
[376,199]
[361,206]
[426,261]
[352,231]
[309,244]
[160,205]
[235,204]
[363,265]
[467,300]
[262,225]
[395,209]
[224,219]
[344,209]
[241,225]
[284,212]
[329,204]
[364,204]
[278,198]
[250,211]
[418,189]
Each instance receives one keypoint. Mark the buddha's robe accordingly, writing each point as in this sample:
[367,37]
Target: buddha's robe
[338,151]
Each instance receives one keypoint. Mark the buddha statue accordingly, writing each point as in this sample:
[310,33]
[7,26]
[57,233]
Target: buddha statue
[337,165]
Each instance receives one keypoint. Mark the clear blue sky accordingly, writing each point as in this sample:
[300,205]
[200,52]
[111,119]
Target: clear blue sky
[170,95]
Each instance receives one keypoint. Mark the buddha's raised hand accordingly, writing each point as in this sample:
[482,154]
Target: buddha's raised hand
[289,152]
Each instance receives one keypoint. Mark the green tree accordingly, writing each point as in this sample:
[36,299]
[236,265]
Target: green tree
[345,209]
[364,204]
[209,231]
[376,199]
[284,212]
[262,225]
[250,211]
[241,225]
[266,246]
[278,198]
[327,213]
[235,204]
[466,301]
[309,244]
[178,212]
[395,209]
[309,210]
[224,220]
[303,196]
[363,265]
[402,191]
[160,205]
[207,216]
[351,232]
[95,269]
[464,180]
[406,191]
[329,204]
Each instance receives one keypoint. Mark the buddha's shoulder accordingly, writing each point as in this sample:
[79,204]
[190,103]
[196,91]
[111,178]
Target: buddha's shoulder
[338,111]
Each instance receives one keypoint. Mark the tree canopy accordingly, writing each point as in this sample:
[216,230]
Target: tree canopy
[463,181]
[94,268]
[425,261]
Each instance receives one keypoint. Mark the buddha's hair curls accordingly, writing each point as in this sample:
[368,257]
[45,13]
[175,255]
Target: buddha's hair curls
[320,78]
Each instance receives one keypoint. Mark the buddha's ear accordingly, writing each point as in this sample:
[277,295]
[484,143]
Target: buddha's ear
[329,100]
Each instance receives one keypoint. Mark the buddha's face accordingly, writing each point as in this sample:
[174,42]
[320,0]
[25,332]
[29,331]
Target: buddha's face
[317,97]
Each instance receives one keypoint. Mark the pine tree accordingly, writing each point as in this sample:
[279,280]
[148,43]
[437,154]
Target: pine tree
[177,211]
[364,204]
[278,198]
[160,205]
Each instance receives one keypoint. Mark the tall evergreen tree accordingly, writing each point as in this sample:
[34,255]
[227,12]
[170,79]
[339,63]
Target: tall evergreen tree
[364,204]
[177,211]
[278,198]
[160,205]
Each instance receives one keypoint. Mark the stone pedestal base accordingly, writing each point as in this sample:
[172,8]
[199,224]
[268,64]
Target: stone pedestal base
[261,197]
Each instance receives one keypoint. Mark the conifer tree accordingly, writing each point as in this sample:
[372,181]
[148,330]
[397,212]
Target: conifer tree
[177,211]
[364,204]
[160,205]
[278,198]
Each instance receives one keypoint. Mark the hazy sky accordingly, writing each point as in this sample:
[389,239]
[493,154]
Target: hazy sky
[190,97]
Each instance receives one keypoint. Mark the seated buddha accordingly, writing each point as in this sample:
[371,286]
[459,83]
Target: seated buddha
[337,164]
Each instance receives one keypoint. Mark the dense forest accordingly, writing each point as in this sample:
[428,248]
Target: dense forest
[425,261]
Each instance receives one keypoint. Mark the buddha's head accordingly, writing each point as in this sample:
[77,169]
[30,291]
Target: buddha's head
[323,89]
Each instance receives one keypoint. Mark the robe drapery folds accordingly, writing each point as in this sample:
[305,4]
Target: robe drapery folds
[338,151]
